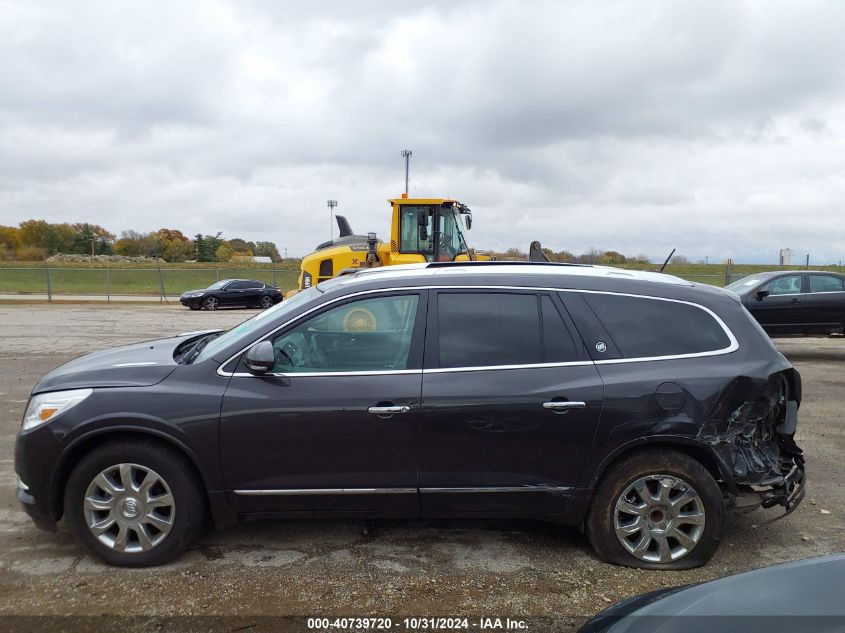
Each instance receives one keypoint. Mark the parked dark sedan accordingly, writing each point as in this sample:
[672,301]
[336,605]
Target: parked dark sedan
[227,293]
[637,405]
[804,595]
[795,302]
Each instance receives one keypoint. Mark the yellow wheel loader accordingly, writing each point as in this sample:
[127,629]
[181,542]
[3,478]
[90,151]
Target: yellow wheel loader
[421,230]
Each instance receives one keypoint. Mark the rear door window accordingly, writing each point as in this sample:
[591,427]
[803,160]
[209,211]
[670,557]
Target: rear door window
[646,328]
[558,343]
[482,329]
[825,283]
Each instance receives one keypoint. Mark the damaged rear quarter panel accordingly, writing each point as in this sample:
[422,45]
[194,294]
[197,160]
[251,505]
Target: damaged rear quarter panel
[730,407]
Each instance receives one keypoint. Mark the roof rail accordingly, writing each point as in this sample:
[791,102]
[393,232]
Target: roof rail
[496,262]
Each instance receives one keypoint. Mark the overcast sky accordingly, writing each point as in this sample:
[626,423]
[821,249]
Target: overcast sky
[714,127]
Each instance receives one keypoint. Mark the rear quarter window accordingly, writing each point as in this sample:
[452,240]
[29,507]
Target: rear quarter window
[645,328]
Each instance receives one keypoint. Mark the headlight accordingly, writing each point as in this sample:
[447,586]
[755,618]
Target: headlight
[46,406]
[196,295]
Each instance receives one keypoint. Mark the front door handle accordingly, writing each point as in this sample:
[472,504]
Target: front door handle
[563,405]
[794,300]
[389,410]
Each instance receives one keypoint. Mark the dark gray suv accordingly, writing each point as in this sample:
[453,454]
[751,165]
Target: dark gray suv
[636,405]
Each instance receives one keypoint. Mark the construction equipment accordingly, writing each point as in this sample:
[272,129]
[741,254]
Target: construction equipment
[421,230]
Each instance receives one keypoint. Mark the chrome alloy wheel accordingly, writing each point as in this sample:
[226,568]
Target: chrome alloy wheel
[659,518]
[266,302]
[129,508]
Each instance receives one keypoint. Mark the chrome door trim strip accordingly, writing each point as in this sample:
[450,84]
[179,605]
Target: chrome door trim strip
[732,347]
[551,489]
[324,491]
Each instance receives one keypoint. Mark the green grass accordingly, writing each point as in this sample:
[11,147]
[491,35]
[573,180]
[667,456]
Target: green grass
[129,279]
[126,280]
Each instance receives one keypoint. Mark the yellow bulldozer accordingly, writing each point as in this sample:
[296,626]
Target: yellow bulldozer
[421,230]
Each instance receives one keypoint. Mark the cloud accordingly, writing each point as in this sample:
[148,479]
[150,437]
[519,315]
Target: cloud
[712,127]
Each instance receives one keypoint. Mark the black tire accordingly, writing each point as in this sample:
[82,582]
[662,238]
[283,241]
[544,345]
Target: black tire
[211,303]
[187,491]
[619,476]
[194,306]
[265,302]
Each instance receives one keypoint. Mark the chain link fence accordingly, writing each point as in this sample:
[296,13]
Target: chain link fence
[162,283]
[166,284]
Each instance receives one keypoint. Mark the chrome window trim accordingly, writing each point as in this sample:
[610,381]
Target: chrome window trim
[312,374]
[446,370]
[324,491]
[732,347]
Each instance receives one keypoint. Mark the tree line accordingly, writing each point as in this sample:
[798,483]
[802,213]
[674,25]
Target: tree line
[593,256]
[35,240]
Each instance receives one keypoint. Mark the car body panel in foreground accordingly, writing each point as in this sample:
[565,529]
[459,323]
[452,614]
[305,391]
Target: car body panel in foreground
[804,595]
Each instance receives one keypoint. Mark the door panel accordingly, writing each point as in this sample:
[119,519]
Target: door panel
[494,433]
[824,303]
[782,310]
[332,427]
[229,296]
[293,433]
[489,430]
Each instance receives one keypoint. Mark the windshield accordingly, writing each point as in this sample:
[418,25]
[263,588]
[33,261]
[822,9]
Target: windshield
[452,241]
[744,283]
[246,329]
[217,285]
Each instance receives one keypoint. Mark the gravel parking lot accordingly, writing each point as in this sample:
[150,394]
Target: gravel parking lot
[395,568]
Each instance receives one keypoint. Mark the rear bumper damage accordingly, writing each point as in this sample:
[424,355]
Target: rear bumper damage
[754,442]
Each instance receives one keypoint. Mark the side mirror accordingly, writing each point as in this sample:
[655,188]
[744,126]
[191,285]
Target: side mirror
[423,233]
[260,358]
[468,221]
[760,294]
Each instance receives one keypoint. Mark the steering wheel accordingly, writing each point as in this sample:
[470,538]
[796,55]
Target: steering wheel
[317,353]
[446,250]
[286,355]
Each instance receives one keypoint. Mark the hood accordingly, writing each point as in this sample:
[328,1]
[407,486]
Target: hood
[136,365]
[192,292]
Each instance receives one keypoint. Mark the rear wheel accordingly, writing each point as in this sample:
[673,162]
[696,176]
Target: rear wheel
[211,303]
[656,509]
[134,503]
[266,302]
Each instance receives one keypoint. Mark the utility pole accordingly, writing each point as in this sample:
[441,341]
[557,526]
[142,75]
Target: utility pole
[808,260]
[331,204]
[406,154]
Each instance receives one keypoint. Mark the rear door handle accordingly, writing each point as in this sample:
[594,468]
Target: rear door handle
[563,405]
[389,410]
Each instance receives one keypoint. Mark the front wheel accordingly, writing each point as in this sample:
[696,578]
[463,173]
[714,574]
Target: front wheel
[656,509]
[134,503]
[266,302]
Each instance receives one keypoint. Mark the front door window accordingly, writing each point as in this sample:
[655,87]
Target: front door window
[788,285]
[366,335]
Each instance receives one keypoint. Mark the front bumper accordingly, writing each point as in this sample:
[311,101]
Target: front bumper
[37,453]
[35,510]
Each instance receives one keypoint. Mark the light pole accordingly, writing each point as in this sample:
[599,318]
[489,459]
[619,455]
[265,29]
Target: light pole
[406,154]
[331,204]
